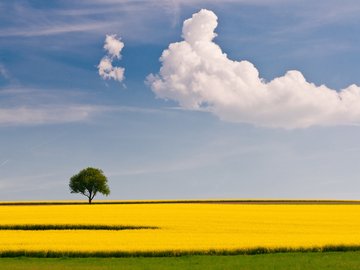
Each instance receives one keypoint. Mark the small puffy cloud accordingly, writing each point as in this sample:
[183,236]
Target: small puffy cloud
[113,47]
[108,71]
[199,76]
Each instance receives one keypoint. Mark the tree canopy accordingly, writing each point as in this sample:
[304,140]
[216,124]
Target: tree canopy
[89,182]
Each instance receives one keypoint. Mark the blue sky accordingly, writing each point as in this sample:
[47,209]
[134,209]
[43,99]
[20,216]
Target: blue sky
[57,115]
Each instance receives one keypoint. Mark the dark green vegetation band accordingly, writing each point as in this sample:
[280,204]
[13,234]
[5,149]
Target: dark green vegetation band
[41,227]
[310,202]
[171,253]
[279,261]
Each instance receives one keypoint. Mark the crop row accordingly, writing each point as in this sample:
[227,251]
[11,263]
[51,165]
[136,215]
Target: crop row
[39,227]
[173,253]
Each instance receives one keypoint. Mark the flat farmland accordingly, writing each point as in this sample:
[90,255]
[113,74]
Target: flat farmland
[170,229]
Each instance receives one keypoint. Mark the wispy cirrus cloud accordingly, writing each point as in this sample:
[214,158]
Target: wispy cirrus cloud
[21,106]
[5,76]
[47,114]
[3,72]
[33,106]
[97,16]
[78,17]
[23,19]
[54,29]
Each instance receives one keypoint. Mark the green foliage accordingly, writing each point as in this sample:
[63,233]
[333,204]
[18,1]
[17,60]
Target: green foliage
[44,227]
[89,182]
[175,253]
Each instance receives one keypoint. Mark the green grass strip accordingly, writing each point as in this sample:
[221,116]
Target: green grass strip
[279,261]
[171,253]
[44,227]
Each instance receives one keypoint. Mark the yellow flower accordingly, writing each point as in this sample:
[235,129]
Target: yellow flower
[183,227]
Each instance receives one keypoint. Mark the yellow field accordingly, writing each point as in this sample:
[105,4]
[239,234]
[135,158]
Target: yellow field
[183,227]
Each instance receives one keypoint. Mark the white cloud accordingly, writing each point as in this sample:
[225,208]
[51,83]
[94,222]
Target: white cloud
[47,114]
[113,47]
[60,113]
[53,29]
[108,71]
[199,76]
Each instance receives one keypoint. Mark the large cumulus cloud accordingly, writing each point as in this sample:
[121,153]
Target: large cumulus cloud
[199,76]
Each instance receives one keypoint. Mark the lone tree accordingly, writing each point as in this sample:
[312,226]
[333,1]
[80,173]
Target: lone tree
[89,182]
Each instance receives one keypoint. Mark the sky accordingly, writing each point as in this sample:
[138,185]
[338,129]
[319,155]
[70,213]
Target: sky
[181,99]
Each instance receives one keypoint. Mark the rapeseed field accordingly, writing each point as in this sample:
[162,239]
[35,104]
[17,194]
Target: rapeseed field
[176,228]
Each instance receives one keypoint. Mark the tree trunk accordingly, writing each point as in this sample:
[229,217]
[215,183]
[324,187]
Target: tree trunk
[90,200]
